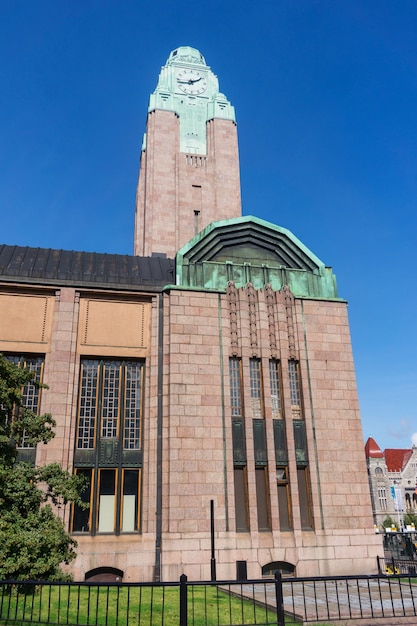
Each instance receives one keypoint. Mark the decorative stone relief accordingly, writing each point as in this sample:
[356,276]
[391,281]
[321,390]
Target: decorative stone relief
[270,307]
[289,311]
[232,298]
[253,331]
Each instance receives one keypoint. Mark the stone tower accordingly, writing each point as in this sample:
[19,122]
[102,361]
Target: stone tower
[189,168]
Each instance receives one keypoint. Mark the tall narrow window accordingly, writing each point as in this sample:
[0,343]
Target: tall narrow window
[197,200]
[235,371]
[284,499]
[132,407]
[107,501]
[30,394]
[301,448]
[110,391]
[130,507]
[241,499]
[87,404]
[255,379]
[280,445]
[239,446]
[295,398]
[262,498]
[261,475]
[81,518]
[109,445]
[274,380]
[305,498]
[382,498]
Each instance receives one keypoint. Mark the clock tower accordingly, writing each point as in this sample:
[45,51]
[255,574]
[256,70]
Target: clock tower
[189,167]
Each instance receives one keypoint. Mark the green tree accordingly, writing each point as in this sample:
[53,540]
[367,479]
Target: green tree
[410,518]
[388,522]
[33,540]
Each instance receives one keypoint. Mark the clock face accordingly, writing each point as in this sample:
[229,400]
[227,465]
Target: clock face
[191,81]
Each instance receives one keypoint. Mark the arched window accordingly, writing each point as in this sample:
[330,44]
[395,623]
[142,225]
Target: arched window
[284,568]
[104,575]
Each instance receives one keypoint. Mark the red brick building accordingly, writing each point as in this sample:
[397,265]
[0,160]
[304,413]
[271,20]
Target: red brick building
[214,368]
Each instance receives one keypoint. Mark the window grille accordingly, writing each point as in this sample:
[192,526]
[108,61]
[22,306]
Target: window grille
[88,404]
[235,387]
[110,402]
[108,452]
[382,498]
[30,393]
[110,392]
[255,381]
[274,379]
[295,398]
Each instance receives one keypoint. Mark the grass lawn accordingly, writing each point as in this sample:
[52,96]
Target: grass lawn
[131,606]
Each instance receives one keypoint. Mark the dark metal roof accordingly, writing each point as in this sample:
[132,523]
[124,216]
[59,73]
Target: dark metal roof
[84,269]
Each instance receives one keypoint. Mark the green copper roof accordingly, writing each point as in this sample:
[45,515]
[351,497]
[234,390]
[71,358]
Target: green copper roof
[188,87]
[248,249]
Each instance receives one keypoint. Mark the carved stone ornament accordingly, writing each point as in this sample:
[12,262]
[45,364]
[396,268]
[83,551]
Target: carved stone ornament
[270,307]
[253,331]
[232,298]
[289,311]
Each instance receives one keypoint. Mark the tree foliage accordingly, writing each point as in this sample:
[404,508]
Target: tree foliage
[410,518]
[33,540]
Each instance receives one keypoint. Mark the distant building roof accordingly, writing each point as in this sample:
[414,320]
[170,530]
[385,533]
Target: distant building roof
[372,450]
[397,459]
[84,269]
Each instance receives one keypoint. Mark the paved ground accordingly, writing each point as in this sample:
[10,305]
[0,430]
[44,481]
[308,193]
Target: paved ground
[388,601]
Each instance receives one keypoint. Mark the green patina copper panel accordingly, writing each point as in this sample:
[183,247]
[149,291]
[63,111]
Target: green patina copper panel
[249,250]
[188,87]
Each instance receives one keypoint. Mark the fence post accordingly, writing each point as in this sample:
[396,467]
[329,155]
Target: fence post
[280,599]
[183,600]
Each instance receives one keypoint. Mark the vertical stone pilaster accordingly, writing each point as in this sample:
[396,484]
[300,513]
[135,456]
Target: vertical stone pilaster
[61,371]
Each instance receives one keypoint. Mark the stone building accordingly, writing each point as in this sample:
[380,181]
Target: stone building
[393,482]
[212,370]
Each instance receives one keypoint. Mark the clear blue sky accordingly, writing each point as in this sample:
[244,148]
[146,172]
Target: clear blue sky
[326,102]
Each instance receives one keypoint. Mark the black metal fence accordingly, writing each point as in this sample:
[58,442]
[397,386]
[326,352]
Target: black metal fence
[395,565]
[279,601]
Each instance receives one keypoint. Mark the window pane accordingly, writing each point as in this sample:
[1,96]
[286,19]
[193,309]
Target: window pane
[304,495]
[235,387]
[239,444]
[81,517]
[130,505]
[275,388]
[30,393]
[87,404]
[259,442]
[284,501]
[111,393]
[132,418]
[294,386]
[280,442]
[107,501]
[255,388]
[300,441]
[241,500]
[262,499]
